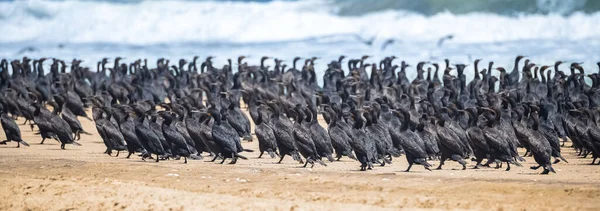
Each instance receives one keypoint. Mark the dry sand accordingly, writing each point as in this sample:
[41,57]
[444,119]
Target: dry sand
[43,177]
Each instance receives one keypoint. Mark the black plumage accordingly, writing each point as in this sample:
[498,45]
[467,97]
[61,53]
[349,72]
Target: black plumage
[147,136]
[340,140]
[225,137]
[111,135]
[264,132]
[177,142]
[283,129]
[61,129]
[413,145]
[319,134]
[10,127]
[363,148]
[304,141]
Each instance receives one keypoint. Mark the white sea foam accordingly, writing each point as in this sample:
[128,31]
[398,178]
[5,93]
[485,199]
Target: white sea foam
[283,29]
[152,22]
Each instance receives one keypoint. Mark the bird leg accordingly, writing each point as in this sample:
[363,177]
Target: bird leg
[18,144]
[185,160]
[308,160]
[261,154]
[233,159]
[280,159]
[508,166]
[410,164]
[43,139]
[214,158]
[363,167]
[157,158]
[4,143]
[586,154]
[441,164]
[535,167]
[546,171]
[129,155]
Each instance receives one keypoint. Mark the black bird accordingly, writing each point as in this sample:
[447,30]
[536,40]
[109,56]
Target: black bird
[340,140]
[155,124]
[239,121]
[10,127]
[301,133]
[110,134]
[499,148]
[147,136]
[264,132]
[481,149]
[71,118]
[283,129]
[177,142]
[450,146]
[42,118]
[540,148]
[225,136]
[319,134]
[74,103]
[413,145]
[362,146]
[61,129]
[127,127]
[378,137]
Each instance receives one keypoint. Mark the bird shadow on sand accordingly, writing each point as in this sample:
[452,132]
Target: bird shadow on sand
[530,173]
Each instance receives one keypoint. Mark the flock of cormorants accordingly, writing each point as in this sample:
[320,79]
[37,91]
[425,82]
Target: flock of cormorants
[176,111]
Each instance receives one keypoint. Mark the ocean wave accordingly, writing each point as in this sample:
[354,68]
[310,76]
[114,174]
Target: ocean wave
[155,22]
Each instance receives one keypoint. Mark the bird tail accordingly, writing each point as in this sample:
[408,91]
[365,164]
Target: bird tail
[23,142]
[197,156]
[562,158]
[271,153]
[422,161]
[520,159]
[248,150]
[351,156]
[516,163]
[296,156]
[395,152]
[386,160]
[330,158]
[321,162]
[76,144]
[549,167]
[241,156]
